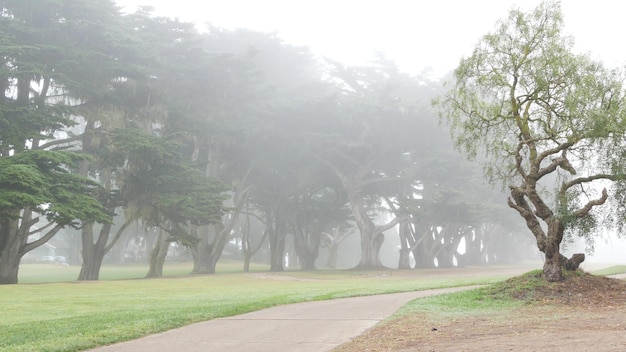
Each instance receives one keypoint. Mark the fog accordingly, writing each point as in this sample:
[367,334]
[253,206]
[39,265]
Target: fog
[420,36]
[292,134]
[417,35]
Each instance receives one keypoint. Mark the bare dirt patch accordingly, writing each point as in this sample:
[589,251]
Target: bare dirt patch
[582,313]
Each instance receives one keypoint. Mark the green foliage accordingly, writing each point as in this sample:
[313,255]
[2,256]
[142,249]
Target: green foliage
[162,189]
[41,180]
[550,122]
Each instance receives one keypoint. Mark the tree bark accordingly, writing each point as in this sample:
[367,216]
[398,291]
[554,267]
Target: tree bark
[307,247]
[574,262]
[14,243]
[404,231]
[423,247]
[92,254]
[371,238]
[157,256]
[10,243]
[277,248]
[553,266]
[208,250]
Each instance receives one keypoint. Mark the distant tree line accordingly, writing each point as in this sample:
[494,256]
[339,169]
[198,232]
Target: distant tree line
[111,121]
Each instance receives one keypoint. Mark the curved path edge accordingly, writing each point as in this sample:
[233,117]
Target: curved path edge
[304,327]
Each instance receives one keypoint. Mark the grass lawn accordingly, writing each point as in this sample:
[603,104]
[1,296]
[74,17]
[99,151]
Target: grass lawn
[581,313]
[73,316]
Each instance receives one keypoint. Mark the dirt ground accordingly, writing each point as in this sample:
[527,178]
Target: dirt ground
[584,313]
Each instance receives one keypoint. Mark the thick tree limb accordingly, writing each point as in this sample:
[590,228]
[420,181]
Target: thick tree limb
[592,203]
[580,180]
[389,225]
[59,141]
[45,238]
[561,161]
[118,234]
[518,202]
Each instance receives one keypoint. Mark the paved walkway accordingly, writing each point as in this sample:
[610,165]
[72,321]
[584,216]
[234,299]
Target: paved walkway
[302,327]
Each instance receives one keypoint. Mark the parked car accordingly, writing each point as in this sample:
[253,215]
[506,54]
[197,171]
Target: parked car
[48,259]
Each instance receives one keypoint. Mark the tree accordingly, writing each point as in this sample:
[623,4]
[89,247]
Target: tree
[550,122]
[163,191]
[129,93]
[366,137]
[34,185]
[50,60]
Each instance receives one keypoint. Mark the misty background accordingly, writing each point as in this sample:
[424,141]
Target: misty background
[421,37]
[296,135]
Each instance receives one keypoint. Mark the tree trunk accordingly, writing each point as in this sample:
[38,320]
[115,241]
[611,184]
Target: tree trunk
[307,247]
[371,242]
[9,267]
[208,250]
[404,260]
[93,255]
[14,242]
[331,262]
[371,239]
[425,247]
[94,252]
[246,262]
[10,244]
[552,267]
[277,250]
[276,233]
[157,256]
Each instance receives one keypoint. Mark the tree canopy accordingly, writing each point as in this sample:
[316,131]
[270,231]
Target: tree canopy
[550,122]
[111,119]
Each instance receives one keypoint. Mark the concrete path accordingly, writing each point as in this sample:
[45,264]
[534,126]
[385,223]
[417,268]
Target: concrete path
[302,327]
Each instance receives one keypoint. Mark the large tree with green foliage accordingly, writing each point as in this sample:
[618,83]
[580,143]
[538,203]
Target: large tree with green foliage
[550,122]
[37,186]
[51,60]
[130,93]
[163,191]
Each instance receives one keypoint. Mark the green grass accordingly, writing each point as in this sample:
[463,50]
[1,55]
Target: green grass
[478,301]
[73,316]
[40,273]
[614,270]
[496,298]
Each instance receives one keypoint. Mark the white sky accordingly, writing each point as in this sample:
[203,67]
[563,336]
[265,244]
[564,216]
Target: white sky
[416,34]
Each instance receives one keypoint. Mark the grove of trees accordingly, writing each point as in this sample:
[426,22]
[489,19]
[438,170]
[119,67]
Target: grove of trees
[231,140]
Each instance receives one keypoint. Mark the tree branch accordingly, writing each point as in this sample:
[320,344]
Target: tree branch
[389,225]
[60,141]
[45,238]
[561,161]
[118,234]
[592,203]
[581,180]
[523,208]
